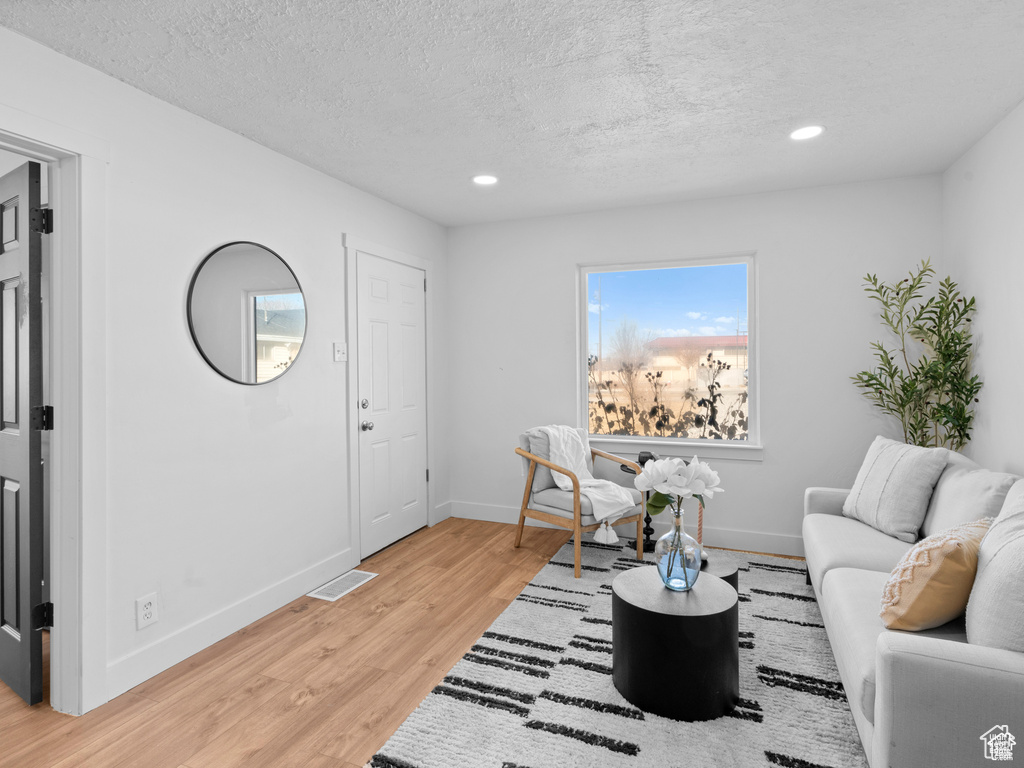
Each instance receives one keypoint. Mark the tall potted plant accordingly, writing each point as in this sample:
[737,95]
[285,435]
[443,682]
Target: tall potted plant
[925,380]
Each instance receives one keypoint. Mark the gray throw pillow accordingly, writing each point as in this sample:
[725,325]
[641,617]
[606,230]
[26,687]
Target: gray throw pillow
[964,492]
[893,487]
[539,446]
[995,610]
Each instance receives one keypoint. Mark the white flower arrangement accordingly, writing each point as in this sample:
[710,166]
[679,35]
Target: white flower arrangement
[668,482]
[672,480]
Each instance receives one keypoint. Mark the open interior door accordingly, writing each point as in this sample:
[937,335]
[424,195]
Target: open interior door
[22,417]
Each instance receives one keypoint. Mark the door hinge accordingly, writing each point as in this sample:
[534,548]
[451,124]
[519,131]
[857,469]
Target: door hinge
[42,616]
[424,285]
[42,418]
[41,220]
[428,475]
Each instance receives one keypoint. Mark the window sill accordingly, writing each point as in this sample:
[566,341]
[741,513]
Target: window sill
[629,447]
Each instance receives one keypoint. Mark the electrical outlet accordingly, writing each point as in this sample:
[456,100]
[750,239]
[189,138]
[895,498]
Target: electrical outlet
[145,611]
[340,352]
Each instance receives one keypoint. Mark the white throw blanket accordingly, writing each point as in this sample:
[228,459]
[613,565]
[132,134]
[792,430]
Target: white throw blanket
[609,501]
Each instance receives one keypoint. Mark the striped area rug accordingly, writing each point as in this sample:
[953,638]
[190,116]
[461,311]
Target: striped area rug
[536,690]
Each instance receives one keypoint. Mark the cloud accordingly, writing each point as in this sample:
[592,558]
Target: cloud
[695,315]
[726,320]
[708,330]
[595,308]
[663,332]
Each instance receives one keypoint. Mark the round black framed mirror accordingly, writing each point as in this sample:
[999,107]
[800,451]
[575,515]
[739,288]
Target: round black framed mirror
[246,313]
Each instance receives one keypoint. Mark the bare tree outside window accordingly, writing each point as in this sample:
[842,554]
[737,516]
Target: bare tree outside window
[631,355]
[689,356]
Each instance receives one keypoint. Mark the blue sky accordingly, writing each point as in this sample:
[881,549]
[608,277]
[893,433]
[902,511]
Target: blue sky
[687,301]
[280,301]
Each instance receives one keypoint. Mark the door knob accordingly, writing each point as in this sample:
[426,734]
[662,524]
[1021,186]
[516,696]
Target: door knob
[366,426]
[364,403]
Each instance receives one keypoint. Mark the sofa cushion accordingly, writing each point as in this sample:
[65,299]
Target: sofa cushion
[932,581]
[831,541]
[964,492]
[849,607]
[995,611]
[559,502]
[584,519]
[893,487]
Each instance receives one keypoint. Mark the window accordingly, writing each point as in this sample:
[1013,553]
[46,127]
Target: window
[669,350]
[276,327]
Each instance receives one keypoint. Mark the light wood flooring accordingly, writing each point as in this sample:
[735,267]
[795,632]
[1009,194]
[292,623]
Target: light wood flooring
[314,684]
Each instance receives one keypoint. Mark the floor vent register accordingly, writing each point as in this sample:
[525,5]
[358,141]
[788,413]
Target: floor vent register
[342,585]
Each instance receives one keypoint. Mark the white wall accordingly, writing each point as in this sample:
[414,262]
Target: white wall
[226,500]
[983,234]
[513,322]
[9,161]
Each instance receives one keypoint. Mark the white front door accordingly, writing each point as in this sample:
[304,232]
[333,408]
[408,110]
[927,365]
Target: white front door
[392,401]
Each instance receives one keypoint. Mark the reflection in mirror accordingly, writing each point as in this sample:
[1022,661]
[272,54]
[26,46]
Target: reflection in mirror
[246,313]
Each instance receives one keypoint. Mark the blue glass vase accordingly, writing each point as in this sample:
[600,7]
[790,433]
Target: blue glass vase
[677,556]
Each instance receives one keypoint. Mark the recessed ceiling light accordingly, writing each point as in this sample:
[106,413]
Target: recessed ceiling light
[807,132]
[485,180]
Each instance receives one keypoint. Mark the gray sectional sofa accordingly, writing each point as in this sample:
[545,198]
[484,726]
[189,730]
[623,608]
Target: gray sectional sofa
[918,698]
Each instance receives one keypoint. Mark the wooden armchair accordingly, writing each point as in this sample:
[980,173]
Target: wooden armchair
[543,500]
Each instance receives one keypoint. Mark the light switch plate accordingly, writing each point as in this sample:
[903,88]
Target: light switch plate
[340,352]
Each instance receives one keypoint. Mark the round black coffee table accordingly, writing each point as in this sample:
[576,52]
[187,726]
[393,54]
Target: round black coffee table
[723,565]
[676,654]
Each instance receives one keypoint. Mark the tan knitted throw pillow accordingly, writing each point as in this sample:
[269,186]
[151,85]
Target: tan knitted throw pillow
[931,584]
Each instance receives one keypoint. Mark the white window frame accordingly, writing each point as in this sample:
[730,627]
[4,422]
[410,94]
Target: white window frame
[750,449]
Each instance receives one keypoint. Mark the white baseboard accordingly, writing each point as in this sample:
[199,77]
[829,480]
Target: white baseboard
[754,541]
[489,513]
[492,513]
[125,673]
[440,512]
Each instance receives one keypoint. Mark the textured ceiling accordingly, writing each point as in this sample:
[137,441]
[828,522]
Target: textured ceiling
[576,105]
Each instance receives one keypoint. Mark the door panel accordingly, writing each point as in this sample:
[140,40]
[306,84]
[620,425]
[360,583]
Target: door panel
[380,459]
[412,449]
[9,614]
[9,372]
[380,383]
[412,377]
[21,472]
[392,378]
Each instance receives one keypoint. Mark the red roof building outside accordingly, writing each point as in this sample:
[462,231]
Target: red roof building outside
[705,342]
